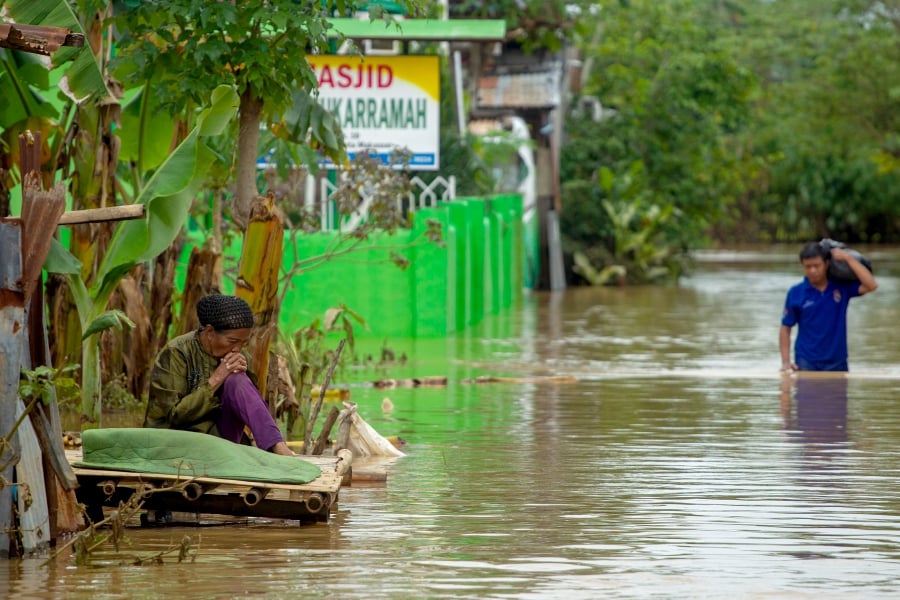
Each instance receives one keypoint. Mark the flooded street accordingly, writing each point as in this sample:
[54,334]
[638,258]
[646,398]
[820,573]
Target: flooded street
[644,446]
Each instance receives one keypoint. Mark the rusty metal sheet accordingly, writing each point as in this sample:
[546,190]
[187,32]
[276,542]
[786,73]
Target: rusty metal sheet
[11,255]
[37,39]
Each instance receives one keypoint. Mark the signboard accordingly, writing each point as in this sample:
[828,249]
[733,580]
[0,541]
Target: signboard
[384,103]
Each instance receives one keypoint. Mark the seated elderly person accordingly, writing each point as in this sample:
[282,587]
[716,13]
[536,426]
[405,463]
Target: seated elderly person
[200,380]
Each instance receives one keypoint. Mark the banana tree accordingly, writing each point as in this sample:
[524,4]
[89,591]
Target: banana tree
[167,197]
[78,144]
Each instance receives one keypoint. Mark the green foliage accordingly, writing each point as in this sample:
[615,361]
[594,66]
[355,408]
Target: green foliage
[189,47]
[47,383]
[617,233]
[828,120]
[535,24]
[42,384]
[307,345]
[309,358]
[295,136]
[757,120]
[110,319]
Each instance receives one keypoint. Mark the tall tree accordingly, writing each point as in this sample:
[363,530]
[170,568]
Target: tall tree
[188,47]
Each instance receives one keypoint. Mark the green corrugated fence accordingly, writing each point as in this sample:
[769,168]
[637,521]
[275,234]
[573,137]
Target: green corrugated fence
[478,271]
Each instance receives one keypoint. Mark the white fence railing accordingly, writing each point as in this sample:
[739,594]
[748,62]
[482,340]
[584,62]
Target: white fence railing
[422,195]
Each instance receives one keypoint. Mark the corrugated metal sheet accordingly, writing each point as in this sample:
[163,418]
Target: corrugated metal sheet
[11,256]
[523,90]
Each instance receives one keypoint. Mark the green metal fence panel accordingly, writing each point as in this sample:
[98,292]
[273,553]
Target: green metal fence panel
[433,281]
[458,211]
[447,288]
[475,216]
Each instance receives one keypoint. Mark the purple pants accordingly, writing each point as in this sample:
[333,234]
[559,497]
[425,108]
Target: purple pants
[242,405]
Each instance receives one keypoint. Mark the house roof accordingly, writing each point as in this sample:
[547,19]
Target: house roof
[537,89]
[436,30]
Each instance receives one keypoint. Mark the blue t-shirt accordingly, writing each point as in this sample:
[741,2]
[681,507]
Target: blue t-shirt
[822,318]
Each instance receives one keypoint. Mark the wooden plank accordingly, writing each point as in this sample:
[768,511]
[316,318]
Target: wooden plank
[33,509]
[98,215]
[34,518]
[326,482]
[307,503]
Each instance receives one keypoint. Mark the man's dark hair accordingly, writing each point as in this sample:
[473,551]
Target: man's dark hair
[224,312]
[814,249]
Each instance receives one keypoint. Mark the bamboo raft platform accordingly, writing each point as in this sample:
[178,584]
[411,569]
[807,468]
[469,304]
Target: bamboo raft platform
[307,503]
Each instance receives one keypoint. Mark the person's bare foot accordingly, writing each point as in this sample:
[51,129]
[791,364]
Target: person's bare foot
[282,449]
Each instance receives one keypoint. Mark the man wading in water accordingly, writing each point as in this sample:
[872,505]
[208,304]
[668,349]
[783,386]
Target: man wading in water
[818,306]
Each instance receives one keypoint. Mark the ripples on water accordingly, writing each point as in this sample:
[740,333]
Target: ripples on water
[679,465]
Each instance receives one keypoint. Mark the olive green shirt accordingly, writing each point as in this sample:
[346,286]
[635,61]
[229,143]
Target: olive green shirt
[180,394]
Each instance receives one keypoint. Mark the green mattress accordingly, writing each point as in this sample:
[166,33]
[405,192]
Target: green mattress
[188,454]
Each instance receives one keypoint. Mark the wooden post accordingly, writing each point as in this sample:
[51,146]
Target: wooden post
[345,422]
[322,440]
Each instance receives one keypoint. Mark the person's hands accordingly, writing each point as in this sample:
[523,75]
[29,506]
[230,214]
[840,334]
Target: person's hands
[787,367]
[839,254]
[233,362]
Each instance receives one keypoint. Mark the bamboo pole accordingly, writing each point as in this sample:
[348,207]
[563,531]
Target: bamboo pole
[98,215]
[322,440]
[314,413]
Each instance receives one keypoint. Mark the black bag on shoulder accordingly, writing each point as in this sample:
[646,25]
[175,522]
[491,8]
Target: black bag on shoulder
[839,270]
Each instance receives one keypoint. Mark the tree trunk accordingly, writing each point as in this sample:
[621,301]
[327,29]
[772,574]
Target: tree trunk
[257,281]
[162,290]
[63,326]
[248,143]
[204,276]
[137,351]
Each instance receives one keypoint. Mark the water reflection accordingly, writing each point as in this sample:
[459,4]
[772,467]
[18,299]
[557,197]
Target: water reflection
[819,411]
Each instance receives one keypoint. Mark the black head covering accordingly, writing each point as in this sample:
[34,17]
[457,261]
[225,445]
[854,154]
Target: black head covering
[224,312]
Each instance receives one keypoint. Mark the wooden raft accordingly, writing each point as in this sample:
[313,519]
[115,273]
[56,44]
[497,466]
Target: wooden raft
[308,503]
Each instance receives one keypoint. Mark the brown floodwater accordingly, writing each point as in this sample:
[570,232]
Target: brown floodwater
[675,463]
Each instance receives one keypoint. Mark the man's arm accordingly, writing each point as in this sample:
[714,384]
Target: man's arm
[784,344]
[866,279]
